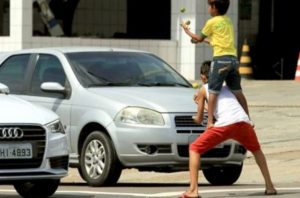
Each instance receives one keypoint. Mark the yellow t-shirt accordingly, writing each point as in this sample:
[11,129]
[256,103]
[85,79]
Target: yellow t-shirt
[219,30]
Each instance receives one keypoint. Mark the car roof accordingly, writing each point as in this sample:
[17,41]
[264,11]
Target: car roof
[75,49]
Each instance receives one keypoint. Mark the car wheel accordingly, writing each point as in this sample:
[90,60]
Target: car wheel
[80,173]
[226,175]
[37,188]
[99,164]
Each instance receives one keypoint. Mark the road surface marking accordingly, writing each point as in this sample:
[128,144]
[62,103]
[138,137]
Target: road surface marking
[165,194]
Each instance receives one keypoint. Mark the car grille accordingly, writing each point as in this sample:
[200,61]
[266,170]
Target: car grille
[183,151]
[36,135]
[186,124]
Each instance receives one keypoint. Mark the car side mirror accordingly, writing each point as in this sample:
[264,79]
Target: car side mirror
[53,87]
[4,89]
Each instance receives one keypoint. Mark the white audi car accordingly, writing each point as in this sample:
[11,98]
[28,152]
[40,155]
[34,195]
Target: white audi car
[33,147]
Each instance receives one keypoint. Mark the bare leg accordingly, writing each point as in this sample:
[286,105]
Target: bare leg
[212,100]
[194,165]
[262,163]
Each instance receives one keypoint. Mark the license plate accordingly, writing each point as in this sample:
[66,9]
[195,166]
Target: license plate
[16,151]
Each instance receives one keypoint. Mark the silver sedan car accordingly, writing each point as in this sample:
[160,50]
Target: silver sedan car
[121,108]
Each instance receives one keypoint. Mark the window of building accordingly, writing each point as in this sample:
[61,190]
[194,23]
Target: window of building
[103,19]
[4,18]
[245,9]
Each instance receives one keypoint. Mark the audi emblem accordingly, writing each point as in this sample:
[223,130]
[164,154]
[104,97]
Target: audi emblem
[11,133]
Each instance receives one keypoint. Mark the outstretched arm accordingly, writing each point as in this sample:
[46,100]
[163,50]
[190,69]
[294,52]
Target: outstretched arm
[195,38]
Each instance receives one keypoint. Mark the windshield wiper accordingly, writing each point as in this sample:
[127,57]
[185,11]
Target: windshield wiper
[112,84]
[182,85]
[99,77]
[167,84]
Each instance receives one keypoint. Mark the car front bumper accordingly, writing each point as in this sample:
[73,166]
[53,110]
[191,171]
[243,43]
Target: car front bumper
[167,146]
[51,160]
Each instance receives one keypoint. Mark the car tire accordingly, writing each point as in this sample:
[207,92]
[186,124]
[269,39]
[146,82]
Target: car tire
[80,173]
[99,164]
[226,175]
[37,188]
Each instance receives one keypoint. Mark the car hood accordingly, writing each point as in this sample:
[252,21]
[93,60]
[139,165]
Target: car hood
[162,99]
[18,111]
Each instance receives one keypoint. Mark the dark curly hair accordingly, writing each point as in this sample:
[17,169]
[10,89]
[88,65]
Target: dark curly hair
[221,5]
[205,67]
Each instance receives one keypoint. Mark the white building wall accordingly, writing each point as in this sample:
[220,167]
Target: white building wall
[20,25]
[178,52]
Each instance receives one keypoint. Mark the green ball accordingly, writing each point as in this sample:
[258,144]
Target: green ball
[182,10]
[188,22]
[194,41]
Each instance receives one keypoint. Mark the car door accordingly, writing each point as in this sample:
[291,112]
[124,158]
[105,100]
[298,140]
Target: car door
[25,73]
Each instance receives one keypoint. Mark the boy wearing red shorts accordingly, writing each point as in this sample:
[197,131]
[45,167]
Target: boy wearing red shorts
[231,123]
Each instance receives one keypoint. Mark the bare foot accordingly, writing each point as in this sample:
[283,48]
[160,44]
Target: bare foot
[271,191]
[189,195]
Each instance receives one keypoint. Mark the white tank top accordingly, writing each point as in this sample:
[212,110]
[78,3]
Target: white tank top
[228,109]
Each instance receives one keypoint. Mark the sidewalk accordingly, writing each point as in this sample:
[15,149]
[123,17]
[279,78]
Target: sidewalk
[276,93]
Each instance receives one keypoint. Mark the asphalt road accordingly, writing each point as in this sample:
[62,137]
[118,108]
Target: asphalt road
[166,190]
[274,108]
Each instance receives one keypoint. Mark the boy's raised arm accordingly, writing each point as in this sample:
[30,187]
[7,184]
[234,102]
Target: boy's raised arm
[195,37]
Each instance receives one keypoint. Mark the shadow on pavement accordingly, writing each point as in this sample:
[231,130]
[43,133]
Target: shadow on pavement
[54,196]
[153,185]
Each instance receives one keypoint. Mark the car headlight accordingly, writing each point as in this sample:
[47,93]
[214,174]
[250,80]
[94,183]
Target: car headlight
[137,115]
[56,127]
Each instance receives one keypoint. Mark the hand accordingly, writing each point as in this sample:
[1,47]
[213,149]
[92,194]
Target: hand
[194,41]
[209,125]
[207,41]
[184,26]
[197,119]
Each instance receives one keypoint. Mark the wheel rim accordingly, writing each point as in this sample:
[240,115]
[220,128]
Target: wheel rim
[95,159]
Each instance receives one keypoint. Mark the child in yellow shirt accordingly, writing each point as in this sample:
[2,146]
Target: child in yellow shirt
[218,32]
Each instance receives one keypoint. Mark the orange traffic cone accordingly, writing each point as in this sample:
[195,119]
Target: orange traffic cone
[245,61]
[297,74]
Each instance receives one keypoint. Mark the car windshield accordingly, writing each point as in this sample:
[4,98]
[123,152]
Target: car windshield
[95,69]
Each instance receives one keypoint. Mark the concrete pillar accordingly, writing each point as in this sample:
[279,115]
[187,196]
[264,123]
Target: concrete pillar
[186,50]
[20,23]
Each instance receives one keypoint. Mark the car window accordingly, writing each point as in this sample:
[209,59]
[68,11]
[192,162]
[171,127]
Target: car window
[48,69]
[123,69]
[13,72]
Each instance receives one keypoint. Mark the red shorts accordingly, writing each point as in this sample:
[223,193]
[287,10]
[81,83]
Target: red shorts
[241,132]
